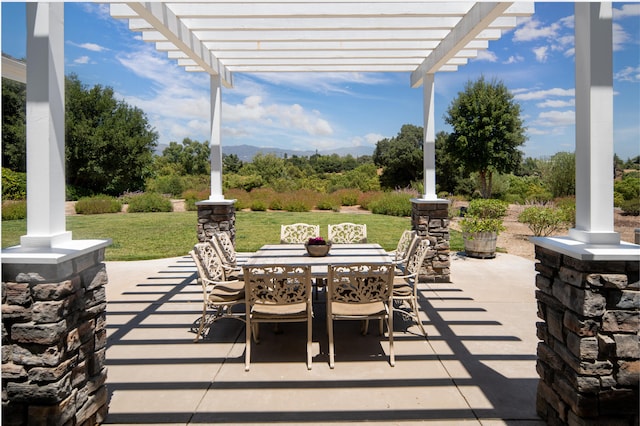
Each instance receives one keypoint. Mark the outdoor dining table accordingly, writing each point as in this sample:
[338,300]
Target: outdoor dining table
[340,254]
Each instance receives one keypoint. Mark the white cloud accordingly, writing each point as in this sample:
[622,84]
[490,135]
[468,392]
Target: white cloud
[629,74]
[373,138]
[626,11]
[556,103]
[525,95]
[81,60]
[620,37]
[93,47]
[486,55]
[275,115]
[541,53]
[329,82]
[532,29]
[514,59]
[556,118]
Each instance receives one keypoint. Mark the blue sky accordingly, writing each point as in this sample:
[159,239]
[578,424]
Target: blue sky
[333,110]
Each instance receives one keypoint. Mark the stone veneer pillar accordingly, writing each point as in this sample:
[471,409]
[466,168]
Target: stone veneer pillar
[54,339]
[430,219]
[589,353]
[215,216]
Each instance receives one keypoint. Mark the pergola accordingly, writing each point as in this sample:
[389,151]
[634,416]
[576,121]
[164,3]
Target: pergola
[576,273]
[421,37]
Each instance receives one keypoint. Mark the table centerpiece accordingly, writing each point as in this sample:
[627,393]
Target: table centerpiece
[317,247]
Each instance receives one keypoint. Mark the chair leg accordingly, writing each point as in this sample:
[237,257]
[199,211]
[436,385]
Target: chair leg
[416,314]
[331,348]
[392,356]
[309,348]
[247,351]
[202,321]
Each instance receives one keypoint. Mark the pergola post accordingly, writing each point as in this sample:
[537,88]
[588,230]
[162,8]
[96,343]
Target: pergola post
[216,214]
[45,126]
[594,124]
[215,140]
[429,144]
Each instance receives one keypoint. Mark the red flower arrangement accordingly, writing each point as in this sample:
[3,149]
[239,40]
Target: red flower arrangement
[316,241]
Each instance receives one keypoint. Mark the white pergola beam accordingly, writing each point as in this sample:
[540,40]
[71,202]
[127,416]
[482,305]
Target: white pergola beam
[14,70]
[165,22]
[471,26]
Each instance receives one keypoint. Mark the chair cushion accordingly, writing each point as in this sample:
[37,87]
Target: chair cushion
[402,289]
[357,309]
[290,311]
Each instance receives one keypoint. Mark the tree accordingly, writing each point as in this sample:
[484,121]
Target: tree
[189,158]
[449,173]
[400,157]
[14,145]
[559,174]
[109,144]
[231,163]
[487,130]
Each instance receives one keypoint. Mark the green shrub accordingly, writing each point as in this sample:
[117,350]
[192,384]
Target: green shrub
[14,185]
[191,197]
[258,206]
[568,207]
[392,204]
[472,224]
[276,204]
[629,187]
[168,184]
[366,198]
[487,208]
[14,210]
[618,199]
[328,202]
[542,220]
[631,207]
[297,206]
[98,204]
[347,197]
[149,202]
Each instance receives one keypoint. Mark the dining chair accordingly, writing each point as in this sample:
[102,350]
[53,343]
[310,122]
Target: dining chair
[405,282]
[218,294]
[346,232]
[226,254]
[404,247]
[298,233]
[274,294]
[360,292]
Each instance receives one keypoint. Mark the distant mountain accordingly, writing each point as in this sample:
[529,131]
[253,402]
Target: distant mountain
[247,152]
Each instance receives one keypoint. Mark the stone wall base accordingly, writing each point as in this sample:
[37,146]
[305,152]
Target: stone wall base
[589,350]
[54,341]
[430,219]
[216,216]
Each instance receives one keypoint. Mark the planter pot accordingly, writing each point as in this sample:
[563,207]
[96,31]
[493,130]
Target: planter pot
[318,250]
[480,244]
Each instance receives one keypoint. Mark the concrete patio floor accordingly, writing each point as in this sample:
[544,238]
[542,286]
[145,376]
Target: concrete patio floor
[477,365]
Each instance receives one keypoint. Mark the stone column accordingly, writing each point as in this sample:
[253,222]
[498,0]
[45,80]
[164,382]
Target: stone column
[54,339]
[589,351]
[430,219]
[215,216]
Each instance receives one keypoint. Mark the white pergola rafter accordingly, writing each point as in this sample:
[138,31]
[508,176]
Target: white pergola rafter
[315,36]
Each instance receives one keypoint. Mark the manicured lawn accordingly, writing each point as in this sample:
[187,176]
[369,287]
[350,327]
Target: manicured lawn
[140,236]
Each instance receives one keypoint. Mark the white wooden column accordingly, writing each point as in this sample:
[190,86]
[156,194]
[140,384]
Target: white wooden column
[594,124]
[45,127]
[429,142]
[215,140]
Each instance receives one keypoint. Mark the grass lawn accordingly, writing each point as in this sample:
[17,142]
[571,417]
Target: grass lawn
[141,236]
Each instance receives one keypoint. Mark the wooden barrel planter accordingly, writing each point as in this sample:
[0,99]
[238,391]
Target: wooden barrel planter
[481,245]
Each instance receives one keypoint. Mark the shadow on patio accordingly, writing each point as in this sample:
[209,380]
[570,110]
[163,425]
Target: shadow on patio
[477,365]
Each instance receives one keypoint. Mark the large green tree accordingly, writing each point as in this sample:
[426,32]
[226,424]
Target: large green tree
[400,157]
[189,158]
[487,130]
[109,144]
[14,145]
